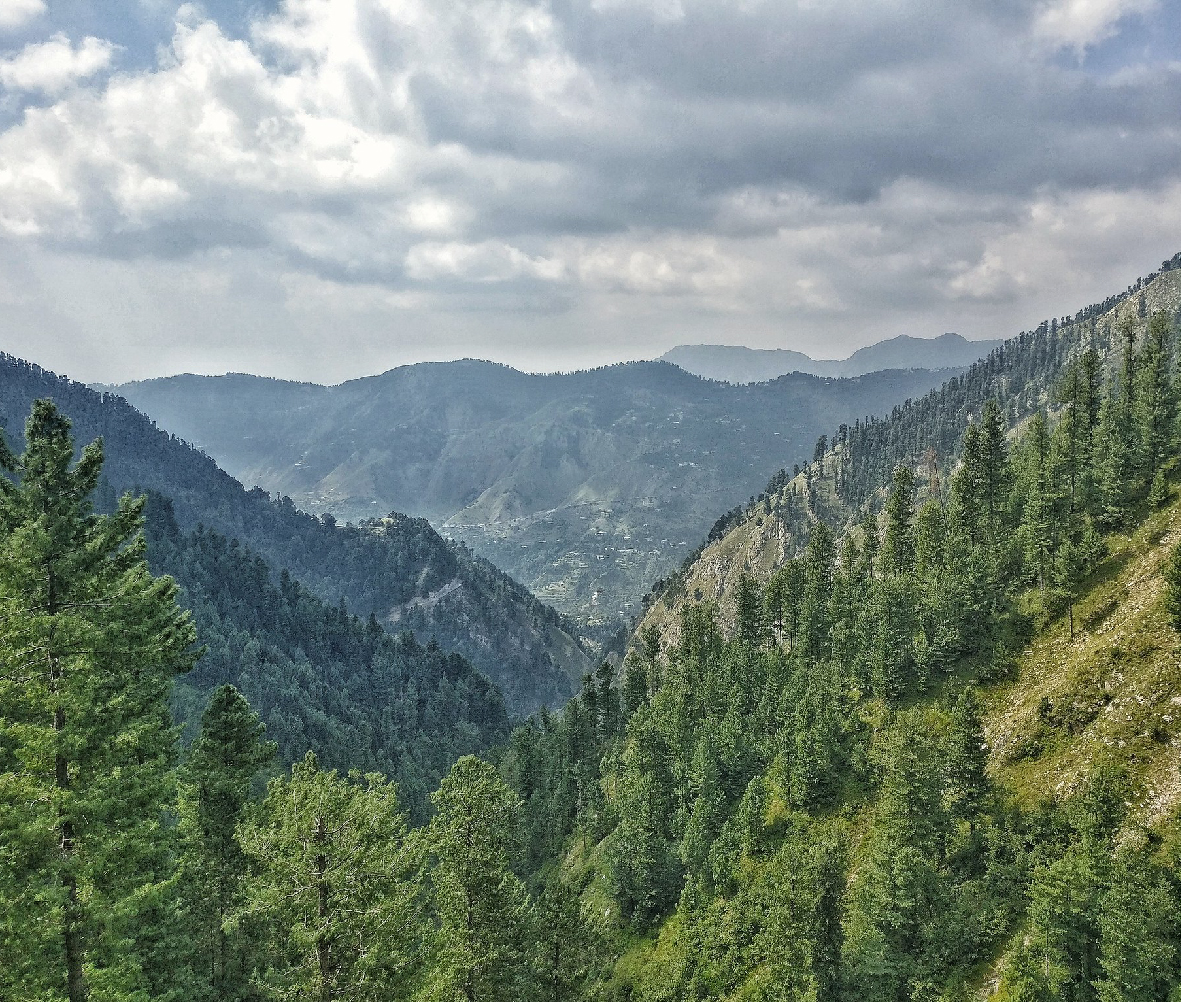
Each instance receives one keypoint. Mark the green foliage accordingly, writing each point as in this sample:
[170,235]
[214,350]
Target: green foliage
[479,948]
[215,791]
[90,642]
[331,904]
[397,568]
[1173,587]
[320,678]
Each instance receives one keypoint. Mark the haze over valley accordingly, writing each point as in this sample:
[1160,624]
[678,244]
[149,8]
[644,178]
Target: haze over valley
[586,486]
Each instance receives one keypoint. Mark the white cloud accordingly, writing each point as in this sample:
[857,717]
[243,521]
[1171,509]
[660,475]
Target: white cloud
[1078,24]
[489,261]
[52,66]
[17,13]
[672,267]
[830,172]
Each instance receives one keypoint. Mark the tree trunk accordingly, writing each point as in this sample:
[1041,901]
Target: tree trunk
[323,946]
[76,990]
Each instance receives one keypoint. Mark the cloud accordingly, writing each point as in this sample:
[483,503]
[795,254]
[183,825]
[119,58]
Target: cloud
[16,14]
[488,261]
[1078,24]
[52,66]
[832,171]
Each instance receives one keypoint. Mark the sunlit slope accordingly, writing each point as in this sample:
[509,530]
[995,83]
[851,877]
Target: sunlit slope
[1109,695]
[925,433]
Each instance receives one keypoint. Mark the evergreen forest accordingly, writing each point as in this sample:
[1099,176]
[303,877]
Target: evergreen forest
[928,751]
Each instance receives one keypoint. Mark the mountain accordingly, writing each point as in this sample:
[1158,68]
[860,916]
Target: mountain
[320,678]
[907,726]
[586,486]
[736,364]
[1021,373]
[395,567]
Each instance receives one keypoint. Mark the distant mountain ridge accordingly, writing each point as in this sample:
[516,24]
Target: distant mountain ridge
[738,364]
[395,567]
[586,486]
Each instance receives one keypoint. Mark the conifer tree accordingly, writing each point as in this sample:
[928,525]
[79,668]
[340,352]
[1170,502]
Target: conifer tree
[898,546]
[1080,393]
[995,469]
[1156,404]
[567,951]
[89,643]
[1173,587]
[817,587]
[482,913]
[781,601]
[1039,516]
[333,897]
[1138,945]
[750,627]
[215,790]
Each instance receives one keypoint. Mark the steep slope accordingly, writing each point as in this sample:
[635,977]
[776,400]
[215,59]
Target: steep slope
[737,364]
[586,486]
[935,755]
[320,678]
[926,433]
[398,568]
[1108,696]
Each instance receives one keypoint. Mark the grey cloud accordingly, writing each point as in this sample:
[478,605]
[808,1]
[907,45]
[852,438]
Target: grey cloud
[800,164]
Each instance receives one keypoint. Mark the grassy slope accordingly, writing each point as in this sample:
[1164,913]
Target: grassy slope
[1110,695]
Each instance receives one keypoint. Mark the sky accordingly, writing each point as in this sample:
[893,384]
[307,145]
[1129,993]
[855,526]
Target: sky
[322,189]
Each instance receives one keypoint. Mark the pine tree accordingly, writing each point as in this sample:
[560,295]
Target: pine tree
[781,601]
[635,683]
[967,756]
[89,641]
[1137,932]
[333,898]
[1173,587]
[482,912]
[1156,404]
[817,588]
[749,624]
[215,790]
[1079,392]
[1119,441]
[898,546]
[1039,520]
[567,951]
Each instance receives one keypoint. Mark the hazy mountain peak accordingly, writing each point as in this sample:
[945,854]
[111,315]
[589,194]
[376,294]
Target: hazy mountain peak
[739,364]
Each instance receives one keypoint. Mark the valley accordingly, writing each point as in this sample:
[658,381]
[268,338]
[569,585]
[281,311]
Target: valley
[902,727]
[585,486]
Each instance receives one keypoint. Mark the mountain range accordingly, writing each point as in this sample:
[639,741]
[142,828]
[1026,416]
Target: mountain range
[738,364]
[585,486]
[394,567]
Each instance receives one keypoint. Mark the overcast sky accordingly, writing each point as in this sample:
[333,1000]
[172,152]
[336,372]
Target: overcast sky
[322,189]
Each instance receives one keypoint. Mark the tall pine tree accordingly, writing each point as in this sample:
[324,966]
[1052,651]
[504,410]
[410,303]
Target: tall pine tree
[89,643]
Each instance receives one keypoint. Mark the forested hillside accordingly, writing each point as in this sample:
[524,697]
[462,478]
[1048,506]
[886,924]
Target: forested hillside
[397,568]
[586,486]
[935,755]
[853,464]
[320,678]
